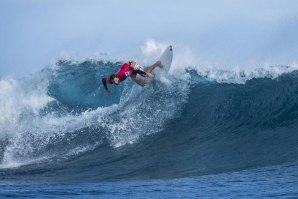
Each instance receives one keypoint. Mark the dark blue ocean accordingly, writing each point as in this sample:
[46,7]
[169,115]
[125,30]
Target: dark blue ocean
[192,134]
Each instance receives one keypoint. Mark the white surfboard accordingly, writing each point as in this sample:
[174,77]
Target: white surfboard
[166,61]
[166,58]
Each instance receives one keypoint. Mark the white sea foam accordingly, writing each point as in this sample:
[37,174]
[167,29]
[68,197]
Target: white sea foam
[21,98]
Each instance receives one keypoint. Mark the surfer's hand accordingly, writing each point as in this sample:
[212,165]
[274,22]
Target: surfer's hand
[109,91]
[150,75]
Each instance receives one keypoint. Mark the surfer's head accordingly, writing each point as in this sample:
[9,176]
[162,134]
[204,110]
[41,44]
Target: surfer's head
[114,79]
[132,64]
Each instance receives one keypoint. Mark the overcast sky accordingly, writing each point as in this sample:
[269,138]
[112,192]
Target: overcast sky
[223,33]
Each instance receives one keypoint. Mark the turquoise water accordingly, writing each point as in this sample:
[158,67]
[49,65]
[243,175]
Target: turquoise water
[267,182]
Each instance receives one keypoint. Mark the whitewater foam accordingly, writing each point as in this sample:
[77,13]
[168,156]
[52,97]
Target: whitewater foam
[20,99]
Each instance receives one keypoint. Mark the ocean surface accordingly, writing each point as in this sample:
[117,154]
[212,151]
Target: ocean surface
[191,134]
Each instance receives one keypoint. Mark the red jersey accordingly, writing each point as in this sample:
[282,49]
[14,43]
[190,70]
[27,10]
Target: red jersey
[124,72]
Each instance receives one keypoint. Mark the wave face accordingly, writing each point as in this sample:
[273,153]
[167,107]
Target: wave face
[60,125]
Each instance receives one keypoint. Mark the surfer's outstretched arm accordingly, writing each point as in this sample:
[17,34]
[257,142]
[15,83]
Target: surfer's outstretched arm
[104,82]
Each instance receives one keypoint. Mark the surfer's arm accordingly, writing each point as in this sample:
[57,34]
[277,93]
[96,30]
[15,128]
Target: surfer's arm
[104,82]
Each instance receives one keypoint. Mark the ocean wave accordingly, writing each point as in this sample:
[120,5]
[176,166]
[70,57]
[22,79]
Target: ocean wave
[189,123]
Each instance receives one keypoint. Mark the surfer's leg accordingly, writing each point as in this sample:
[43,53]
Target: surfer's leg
[139,80]
[151,68]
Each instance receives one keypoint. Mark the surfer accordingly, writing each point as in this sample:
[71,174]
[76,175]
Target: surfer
[130,69]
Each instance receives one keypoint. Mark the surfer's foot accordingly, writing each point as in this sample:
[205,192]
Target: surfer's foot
[158,63]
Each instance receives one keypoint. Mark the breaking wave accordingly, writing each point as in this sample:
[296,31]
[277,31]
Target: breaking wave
[60,125]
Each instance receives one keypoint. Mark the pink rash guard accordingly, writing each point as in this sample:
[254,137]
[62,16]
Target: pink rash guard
[124,72]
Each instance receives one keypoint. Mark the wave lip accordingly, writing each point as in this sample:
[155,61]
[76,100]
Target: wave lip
[238,76]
